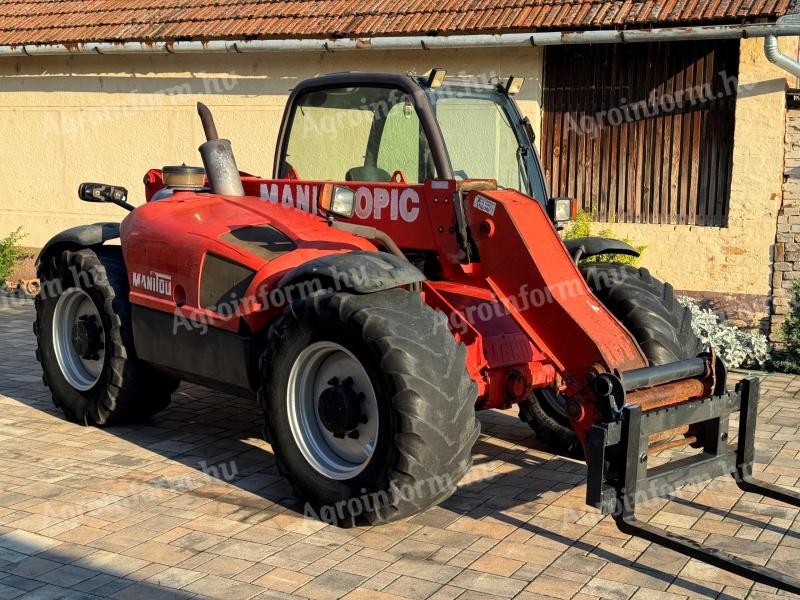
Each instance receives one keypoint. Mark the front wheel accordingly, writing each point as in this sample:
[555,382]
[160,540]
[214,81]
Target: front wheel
[368,405]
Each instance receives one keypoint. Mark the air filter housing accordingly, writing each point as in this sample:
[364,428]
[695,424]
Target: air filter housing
[183,177]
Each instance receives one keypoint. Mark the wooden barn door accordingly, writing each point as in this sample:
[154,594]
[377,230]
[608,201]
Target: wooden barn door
[642,133]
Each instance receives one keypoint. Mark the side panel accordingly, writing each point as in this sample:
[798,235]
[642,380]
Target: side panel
[167,242]
[204,355]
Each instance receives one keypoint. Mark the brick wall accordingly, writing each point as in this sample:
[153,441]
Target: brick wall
[786,253]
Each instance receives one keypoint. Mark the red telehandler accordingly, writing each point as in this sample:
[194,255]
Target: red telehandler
[400,269]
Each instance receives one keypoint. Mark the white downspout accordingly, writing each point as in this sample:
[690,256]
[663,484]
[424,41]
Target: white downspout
[773,52]
[775,56]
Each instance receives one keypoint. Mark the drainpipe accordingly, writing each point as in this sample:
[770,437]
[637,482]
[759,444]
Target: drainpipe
[775,56]
[773,53]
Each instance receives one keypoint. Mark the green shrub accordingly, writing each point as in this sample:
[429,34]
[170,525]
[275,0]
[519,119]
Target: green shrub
[582,227]
[10,254]
[787,359]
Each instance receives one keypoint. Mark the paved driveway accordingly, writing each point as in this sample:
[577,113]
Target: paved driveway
[192,505]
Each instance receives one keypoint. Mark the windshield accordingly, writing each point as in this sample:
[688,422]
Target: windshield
[485,139]
[363,133]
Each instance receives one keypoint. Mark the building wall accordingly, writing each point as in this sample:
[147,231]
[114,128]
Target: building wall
[732,265]
[110,119]
[73,119]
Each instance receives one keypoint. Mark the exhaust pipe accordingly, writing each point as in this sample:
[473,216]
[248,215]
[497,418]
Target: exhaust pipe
[217,155]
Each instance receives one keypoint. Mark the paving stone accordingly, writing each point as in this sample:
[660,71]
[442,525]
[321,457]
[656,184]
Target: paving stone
[7,592]
[424,569]
[223,588]
[134,511]
[553,587]
[488,584]
[32,567]
[283,580]
[411,587]
[175,577]
[605,588]
[333,584]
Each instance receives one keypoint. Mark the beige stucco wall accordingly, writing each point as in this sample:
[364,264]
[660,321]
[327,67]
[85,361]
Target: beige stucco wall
[92,118]
[733,259]
[74,119]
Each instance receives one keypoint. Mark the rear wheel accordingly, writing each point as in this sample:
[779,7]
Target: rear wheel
[648,309]
[368,405]
[85,341]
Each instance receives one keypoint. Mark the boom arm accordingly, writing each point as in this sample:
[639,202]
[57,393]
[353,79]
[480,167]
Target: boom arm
[526,265]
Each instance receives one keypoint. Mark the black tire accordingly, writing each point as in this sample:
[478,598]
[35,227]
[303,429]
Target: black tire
[648,309]
[426,404]
[127,389]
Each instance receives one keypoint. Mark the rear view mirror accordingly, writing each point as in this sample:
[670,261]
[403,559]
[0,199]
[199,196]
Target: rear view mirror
[337,200]
[102,192]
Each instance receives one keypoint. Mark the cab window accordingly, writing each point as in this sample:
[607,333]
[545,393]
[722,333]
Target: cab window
[357,134]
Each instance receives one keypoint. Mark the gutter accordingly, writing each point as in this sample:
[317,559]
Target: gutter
[425,42]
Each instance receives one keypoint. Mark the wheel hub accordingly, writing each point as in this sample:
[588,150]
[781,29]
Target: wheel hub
[339,407]
[332,410]
[78,339]
[87,337]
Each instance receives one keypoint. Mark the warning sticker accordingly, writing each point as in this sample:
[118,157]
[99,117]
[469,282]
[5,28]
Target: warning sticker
[485,205]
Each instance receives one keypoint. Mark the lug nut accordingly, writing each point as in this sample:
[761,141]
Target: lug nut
[333,381]
[348,381]
[364,419]
[353,435]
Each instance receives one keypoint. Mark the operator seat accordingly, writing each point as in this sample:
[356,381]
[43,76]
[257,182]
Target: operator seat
[368,173]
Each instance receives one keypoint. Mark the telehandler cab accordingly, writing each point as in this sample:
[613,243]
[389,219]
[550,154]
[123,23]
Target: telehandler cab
[400,269]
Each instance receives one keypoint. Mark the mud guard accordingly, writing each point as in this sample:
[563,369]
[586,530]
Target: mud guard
[82,236]
[592,246]
[359,272]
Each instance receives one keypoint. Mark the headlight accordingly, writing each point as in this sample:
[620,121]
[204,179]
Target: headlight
[337,200]
[562,210]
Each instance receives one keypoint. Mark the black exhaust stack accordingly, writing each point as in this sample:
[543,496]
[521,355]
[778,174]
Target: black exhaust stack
[217,155]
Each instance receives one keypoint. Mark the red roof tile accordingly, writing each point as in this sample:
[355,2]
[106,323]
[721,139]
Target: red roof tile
[76,21]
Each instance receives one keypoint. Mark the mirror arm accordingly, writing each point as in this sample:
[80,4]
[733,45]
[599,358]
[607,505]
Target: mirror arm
[123,204]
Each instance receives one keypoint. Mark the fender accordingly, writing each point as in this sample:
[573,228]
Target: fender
[82,236]
[359,272]
[592,246]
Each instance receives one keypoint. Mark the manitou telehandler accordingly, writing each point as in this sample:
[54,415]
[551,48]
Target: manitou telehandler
[401,268]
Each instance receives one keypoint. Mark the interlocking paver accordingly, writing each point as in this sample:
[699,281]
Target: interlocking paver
[283,580]
[191,504]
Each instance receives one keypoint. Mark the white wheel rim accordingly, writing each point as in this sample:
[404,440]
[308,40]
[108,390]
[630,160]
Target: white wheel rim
[334,457]
[73,307]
